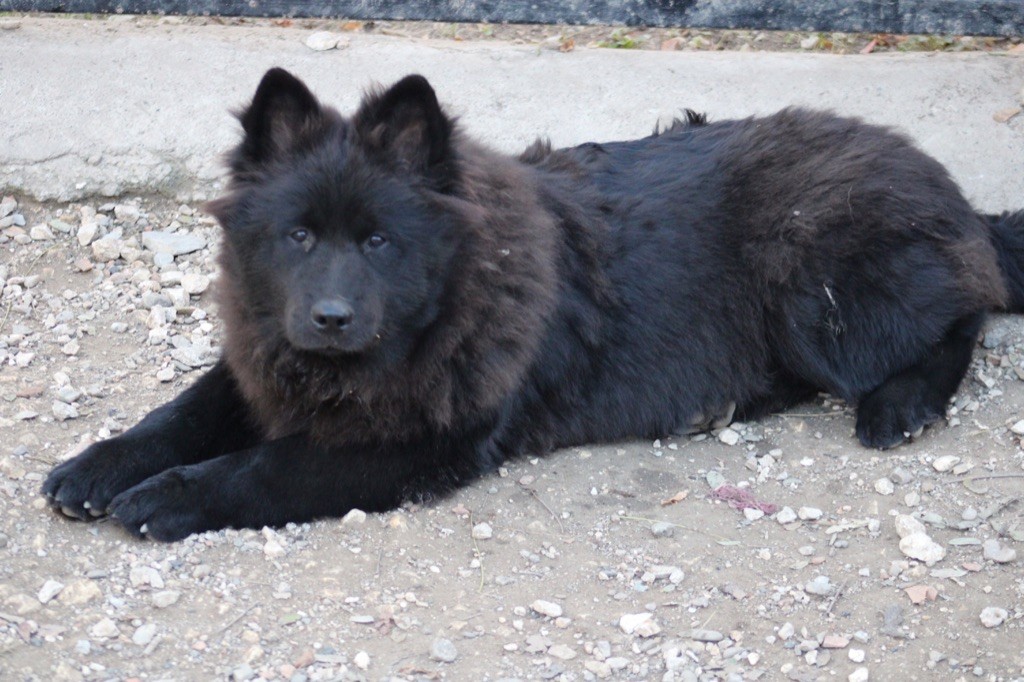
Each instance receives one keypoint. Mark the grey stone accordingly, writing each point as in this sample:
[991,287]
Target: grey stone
[820,586]
[993,550]
[61,226]
[153,299]
[163,260]
[194,283]
[662,529]
[702,635]
[920,546]
[87,232]
[165,598]
[243,672]
[108,248]
[144,634]
[173,243]
[353,517]
[49,590]
[546,608]
[145,576]
[443,650]
[104,629]
[325,40]
[41,233]
[785,515]
[127,212]
[62,411]
[68,394]
[192,356]
[994,337]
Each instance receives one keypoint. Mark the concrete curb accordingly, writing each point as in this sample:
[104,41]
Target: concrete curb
[136,105]
[977,17]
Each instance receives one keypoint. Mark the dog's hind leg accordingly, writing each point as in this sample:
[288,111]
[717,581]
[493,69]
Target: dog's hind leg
[906,402]
[786,391]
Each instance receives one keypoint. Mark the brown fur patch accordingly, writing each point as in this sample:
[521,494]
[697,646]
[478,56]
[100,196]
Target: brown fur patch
[495,302]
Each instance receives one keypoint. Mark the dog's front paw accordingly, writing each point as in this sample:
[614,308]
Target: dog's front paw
[167,507]
[83,487]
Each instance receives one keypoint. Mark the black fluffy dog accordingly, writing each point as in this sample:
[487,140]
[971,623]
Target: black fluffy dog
[406,309]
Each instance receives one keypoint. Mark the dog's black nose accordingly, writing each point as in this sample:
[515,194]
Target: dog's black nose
[331,314]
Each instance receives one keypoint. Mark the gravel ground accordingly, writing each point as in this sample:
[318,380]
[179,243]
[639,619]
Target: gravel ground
[771,550]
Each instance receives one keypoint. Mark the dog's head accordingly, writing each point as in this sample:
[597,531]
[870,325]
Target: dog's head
[332,237]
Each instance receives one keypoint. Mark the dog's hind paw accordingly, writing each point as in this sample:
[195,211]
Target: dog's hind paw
[891,415]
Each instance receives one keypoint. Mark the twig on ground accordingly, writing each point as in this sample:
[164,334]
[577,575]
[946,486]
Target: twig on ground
[835,597]
[234,620]
[537,497]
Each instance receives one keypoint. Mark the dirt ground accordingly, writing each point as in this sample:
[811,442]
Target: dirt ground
[763,551]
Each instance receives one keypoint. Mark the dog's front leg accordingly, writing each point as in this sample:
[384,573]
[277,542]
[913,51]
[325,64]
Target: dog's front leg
[206,420]
[293,479]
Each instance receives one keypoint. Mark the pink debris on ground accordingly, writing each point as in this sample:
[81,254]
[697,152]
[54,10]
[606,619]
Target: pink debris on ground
[741,498]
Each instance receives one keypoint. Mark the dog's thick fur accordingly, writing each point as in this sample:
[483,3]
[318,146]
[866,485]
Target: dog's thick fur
[405,309]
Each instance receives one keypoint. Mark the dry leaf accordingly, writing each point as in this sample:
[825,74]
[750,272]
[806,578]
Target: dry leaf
[31,391]
[678,497]
[1004,115]
[919,594]
[867,49]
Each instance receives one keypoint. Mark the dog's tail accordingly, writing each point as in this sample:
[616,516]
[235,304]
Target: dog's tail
[1008,238]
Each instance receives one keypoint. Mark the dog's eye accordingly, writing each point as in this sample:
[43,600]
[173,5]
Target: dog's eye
[299,235]
[376,240]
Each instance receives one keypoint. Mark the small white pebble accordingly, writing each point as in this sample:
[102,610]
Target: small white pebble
[640,624]
[809,513]
[353,517]
[49,590]
[785,515]
[728,436]
[546,608]
[945,463]
[993,616]
[859,675]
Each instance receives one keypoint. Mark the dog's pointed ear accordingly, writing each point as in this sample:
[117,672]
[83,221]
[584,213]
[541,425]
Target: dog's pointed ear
[281,110]
[406,123]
